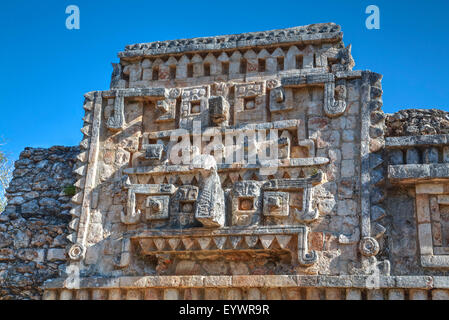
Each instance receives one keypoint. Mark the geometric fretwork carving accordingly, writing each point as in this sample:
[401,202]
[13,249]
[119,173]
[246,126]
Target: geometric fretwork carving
[132,215]
[304,186]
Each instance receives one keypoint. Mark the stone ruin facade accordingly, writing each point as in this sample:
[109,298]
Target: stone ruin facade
[250,166]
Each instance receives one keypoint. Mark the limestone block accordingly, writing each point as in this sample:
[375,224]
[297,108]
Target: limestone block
[423,208]
[56,254]
[395,156]
[253,294]
[192,294]
[233,294]
[412,156]
[82,294]
[347,168]
[425,238]
[292,294]
[396,294]
[416,294]
[49,295]
[114,294]
[65,294]
[152,294]
[353,294]
[440,294]
[446,154]
[348,150]
[430,155]
[99,294]
[274,294]
[313,294]
[276,203]
[375,294]
[218,110]
[171,294]
[212,294]
[333,294]
[133,294]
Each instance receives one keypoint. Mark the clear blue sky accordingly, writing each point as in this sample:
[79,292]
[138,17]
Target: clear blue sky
[47,68]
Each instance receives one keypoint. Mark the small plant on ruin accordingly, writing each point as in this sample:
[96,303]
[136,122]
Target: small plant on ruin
[69,190]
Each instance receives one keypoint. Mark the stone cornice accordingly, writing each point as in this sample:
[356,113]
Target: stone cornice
[304,34]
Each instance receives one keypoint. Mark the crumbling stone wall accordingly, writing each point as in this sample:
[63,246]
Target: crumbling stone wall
[403,251]
[414,122]
[33,227]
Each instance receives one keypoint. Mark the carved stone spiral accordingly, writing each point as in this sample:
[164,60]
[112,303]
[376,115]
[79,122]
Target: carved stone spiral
[369,246]
[76,252]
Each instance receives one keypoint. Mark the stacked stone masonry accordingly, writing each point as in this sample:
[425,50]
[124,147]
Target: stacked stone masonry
[251,166]
[34,226]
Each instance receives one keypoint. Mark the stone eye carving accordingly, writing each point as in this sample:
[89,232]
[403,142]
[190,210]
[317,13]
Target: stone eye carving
[156,207]
[276,204]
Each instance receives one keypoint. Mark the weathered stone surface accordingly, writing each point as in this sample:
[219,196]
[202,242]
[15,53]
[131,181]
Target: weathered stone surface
[252,166]
[35,231]
[416,122]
